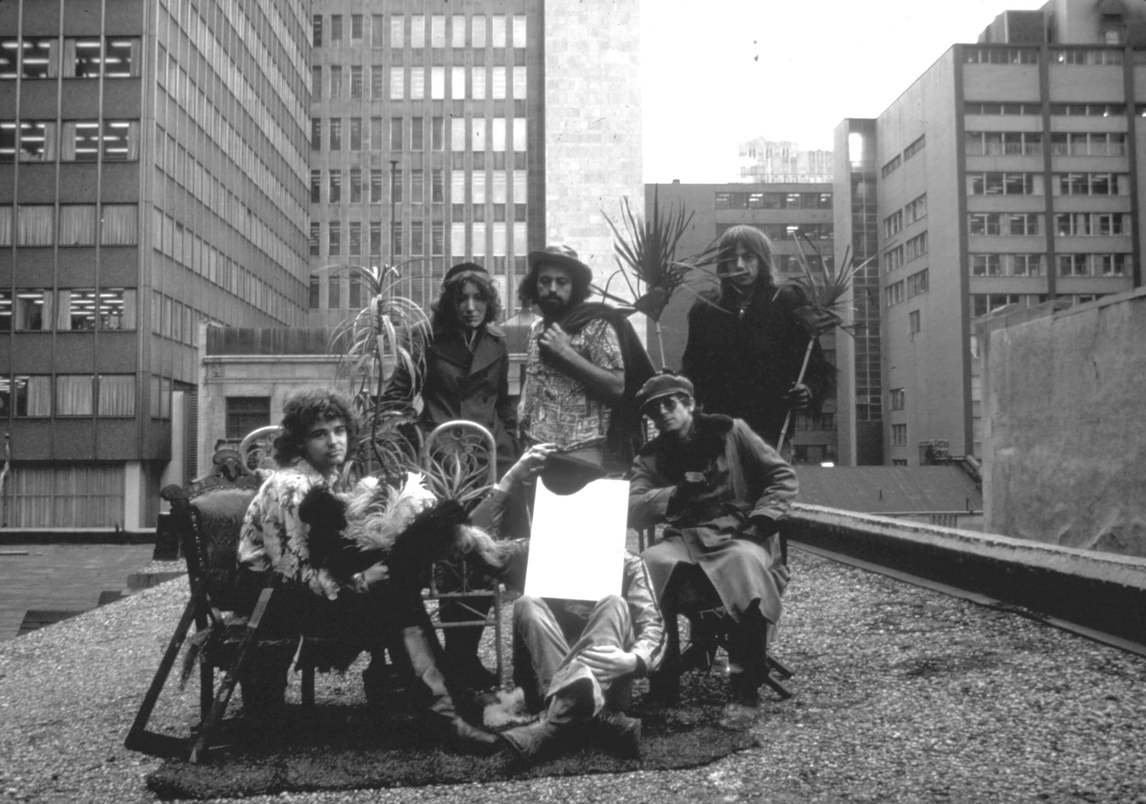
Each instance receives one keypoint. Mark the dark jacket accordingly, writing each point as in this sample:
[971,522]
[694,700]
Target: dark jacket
[461,385]
[743,361]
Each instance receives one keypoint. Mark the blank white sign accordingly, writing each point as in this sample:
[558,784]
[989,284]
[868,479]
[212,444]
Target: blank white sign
[577,541]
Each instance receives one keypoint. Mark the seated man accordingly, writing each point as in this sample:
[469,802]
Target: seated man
[576,660]
[721,492]
[373,608]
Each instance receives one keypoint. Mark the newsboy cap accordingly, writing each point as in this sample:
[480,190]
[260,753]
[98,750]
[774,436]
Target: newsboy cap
[563,257]
[660,385]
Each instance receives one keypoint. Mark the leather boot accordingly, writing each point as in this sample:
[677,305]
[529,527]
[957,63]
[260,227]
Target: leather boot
[567,707]
[618,733]
[462,662]
[422,650]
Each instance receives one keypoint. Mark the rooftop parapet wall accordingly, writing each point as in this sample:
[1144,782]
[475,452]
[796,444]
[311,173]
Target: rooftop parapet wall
[1064,438]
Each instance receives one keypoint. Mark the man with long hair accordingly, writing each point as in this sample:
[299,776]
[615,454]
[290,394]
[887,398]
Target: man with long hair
[583,365]
[745,350]
[373,608]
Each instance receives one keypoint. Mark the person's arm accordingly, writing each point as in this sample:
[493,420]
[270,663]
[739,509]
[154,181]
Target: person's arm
[776,476]
[604,375]
[252,549]
[399,390]
[649,493]
[490,512]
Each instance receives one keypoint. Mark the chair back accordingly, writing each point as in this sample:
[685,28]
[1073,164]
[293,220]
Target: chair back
[459,458]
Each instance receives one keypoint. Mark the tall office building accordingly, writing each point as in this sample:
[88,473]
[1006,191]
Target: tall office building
[1009,173]
[773,161]
[426,141]
[153,173]
[779,211]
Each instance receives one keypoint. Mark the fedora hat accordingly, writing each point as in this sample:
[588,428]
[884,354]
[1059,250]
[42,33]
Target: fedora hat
[563,257]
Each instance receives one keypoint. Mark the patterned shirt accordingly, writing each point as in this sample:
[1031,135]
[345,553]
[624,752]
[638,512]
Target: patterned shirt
[556,408]
[273,536]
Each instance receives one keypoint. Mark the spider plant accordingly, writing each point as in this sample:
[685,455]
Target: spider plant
[390,333]
[826,287]
[646,248]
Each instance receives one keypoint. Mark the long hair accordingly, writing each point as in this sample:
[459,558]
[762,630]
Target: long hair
[301,411]
[755,242]
[527,289]
[445,316]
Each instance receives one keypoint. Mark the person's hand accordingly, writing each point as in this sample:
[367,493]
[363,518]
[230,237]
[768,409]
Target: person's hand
[608,662]
[763,529]
[798,396]
[693,484]
[528,466]
[554,341]
[374,574]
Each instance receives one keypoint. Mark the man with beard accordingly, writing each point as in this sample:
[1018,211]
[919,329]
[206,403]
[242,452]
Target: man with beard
[583,366]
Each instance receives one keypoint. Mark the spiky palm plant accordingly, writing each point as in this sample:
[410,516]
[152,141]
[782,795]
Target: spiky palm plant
[826,287]
[646,248]
[390,332]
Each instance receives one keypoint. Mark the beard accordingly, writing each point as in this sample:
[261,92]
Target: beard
[551,306]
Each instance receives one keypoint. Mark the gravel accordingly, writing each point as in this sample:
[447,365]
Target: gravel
[902,694]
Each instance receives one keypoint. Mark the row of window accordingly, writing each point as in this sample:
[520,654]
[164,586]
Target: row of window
[71,141]
[1072,264]
[399,83]
[1018,183]
[72,57]
[915,147]
[1030,55]
[476,187]
[915,247]
[786,231]
[913,285]
[915,210]
[1007,264]
[70,310]
[69,225]
[480,134]
[44,395]
[1030,143]
[365,240]
[1066,224]
[725,200]
[1028,109]
[186,247]
[478,30]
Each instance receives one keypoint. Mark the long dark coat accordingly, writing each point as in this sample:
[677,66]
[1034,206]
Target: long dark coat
[459,384]
[742,361]
[746,478]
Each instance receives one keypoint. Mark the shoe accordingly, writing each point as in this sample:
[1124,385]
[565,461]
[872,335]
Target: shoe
[531,742]
[744,690]
[618,733]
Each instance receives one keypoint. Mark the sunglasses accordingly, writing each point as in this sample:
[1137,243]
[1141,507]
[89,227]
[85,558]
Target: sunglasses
[666,403]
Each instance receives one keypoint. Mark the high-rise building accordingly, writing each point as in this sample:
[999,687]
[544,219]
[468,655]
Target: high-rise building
[769,161]
[780,211]
[153,174]
[1008,174]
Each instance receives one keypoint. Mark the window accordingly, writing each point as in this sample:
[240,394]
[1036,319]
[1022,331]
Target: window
[116,394]
[315,186]
[896,398]
[85,309]
[917,283]
[899,435]
[246,413]
[334,194]
[356,133]
[377,82]
[893,223]
[26,395]
[916,247]
[355,185]
[355,239]
[1000,183]
[316,134]
[985,265]
[983,223]
[356,82]
[913,324]
[316,30]
[916,209]
[74,394]
[375,185]
[335,134]
[891,166]
[334,238]
[914,148]
[395,134]
[314,240]
[334,291]
[336,81]
[335,29]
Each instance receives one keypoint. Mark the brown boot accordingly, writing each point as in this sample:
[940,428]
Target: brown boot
[422,649]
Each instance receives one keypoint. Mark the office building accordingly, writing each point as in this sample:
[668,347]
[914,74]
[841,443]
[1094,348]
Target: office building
[769,161]
[153,175]
[1009,174]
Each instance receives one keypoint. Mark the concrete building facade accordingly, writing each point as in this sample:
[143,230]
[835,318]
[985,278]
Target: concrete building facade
[1009,173]
[152,175]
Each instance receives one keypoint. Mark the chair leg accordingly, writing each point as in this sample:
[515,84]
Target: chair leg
[138,737]
[230,678]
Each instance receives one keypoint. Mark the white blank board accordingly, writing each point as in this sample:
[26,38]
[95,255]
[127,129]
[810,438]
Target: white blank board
[577,541]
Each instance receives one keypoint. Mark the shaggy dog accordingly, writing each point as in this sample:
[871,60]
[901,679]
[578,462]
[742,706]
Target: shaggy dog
[406,528]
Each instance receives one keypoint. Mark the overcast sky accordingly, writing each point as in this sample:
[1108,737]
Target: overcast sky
[722,72]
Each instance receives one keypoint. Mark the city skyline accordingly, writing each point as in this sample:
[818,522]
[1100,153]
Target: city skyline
[687,90]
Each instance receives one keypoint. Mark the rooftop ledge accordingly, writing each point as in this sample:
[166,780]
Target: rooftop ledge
[1096,593]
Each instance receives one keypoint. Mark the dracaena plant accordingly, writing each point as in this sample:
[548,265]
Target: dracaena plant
[645,250]
[826,289]
[390,332]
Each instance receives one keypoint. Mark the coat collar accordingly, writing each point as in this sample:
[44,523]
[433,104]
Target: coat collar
[450,346]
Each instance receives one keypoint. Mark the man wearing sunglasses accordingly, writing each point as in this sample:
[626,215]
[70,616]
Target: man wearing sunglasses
[721,491]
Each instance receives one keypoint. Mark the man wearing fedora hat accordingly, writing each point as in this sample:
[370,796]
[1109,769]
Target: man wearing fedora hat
[721,492]
[583,366]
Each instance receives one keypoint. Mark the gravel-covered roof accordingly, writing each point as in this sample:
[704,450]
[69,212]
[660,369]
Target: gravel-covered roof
[902,694]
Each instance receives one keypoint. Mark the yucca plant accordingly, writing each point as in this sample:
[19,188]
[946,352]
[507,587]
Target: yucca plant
[826,287]
[391,331]
[646,249]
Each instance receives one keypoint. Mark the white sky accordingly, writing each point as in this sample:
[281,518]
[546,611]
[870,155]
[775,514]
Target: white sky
[721,72]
